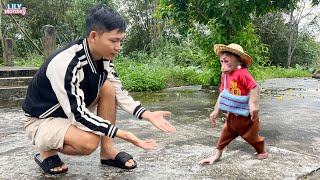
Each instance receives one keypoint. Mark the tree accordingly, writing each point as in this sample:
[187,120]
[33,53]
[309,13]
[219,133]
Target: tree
[74,25]
[40,13]
[296,44]
[225,21]
[220,21]
[15,28]
[68,17]
[233,15]
[1,37]
[142,25]
[297,15]
[274,33]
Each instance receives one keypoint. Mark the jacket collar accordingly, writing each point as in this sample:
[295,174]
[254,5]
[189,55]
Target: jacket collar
[88,55]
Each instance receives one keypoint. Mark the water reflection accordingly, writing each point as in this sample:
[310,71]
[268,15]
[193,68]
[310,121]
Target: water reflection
[178,102]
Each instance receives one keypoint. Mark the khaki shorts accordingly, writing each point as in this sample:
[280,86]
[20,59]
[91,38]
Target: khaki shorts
[47,133]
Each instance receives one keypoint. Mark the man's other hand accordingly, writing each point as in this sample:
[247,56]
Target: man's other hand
[156,118]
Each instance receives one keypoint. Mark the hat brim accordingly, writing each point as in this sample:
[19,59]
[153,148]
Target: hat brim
[218,48]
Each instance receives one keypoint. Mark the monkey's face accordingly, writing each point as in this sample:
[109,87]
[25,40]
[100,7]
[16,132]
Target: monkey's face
[228,62]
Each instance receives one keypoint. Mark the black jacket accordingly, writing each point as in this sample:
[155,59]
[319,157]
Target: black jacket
[68,82]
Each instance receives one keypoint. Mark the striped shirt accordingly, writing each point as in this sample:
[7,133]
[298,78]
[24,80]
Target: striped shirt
[68,82]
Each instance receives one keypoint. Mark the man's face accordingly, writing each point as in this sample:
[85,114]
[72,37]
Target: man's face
[106,45]
[228,62]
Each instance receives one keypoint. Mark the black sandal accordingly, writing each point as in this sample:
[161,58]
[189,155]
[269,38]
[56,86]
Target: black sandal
[120,161]
[50,163]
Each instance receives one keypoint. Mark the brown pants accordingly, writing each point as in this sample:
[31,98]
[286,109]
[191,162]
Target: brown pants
[241,126]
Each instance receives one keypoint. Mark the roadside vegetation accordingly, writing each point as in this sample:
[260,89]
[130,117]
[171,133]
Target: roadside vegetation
[169,43]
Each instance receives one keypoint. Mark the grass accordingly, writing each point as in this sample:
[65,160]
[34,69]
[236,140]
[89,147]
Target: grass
[34,60]
[271,72]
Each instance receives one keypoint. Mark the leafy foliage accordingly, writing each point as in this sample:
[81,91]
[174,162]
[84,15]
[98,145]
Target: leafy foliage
[169,42]
[262,73]
[141,77]
[74,25]
[273,25]
[307,52]
[172,65]
[142,25]
[68,17]
[221,22]
[40,13]
[207,36]
[191,75]
[233,14]
[275,33]
[32,60]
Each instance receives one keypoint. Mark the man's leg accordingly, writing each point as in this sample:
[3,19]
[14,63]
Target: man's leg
[107,110]
[76,142]
[46,154]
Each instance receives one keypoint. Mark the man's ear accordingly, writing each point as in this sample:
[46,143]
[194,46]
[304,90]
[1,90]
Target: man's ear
[93,35]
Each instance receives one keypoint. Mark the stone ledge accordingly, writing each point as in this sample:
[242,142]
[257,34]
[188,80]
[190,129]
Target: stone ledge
[316,74]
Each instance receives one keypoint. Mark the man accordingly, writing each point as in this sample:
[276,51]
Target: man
[74,82]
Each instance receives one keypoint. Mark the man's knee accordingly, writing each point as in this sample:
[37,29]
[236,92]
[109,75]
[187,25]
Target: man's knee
[82,143]
[90,145]
[107,90]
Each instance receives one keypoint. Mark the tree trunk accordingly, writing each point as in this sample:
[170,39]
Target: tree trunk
[290,38]
[1,38]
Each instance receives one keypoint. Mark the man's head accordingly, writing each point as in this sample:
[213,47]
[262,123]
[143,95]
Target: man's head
[102,19]
[231,56]
[105,30]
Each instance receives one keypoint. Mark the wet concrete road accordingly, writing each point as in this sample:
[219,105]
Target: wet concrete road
[290,122]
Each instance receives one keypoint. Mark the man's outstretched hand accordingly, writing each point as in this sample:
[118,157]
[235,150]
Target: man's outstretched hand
[130,137]
[156,118]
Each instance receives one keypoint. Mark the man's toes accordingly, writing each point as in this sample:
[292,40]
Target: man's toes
[64,166]
[57,169]
[129,163]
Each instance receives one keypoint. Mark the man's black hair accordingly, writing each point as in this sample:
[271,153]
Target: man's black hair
[102,19]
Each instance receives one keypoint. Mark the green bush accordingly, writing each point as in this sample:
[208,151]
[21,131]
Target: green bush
[144,77]
[141,77]
[32,60]
[168,65]
[262,73]
[191,75]
[157,72]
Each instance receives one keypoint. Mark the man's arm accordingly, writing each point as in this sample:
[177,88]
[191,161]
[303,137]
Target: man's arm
[124,100]
[127,103]
[130,137]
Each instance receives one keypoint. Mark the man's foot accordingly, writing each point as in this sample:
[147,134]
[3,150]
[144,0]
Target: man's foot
[51,164]
[46,154]
[120,161]
[212,159]
[111,155]
[262,156]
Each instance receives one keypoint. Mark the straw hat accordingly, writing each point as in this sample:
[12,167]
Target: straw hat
[235,49]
